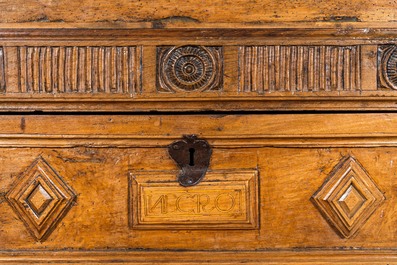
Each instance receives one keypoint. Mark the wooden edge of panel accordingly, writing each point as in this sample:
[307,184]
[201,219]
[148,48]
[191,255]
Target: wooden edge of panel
[221,131]
[376,103]
[373,257]
[367,32]
[198,34]
[169,24]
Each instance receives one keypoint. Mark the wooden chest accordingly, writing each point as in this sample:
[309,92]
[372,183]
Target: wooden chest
[255,132]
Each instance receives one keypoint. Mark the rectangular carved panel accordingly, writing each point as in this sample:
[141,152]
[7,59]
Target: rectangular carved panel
[2,71]
[220,201]
[79,69]
[299,68]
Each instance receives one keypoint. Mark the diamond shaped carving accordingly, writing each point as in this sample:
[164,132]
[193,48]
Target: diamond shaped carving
[348,197]
[40,198]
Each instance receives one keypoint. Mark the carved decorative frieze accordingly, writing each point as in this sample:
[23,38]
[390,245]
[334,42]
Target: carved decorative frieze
[40,198]
[189,68]
[221,201]
[387,66]
[348,198]
[75,69]
[265,69]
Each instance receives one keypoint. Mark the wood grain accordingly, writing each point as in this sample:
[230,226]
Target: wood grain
[195,12]
[293,188]
[235,131]
[289,176]
[3,71]
[299,257]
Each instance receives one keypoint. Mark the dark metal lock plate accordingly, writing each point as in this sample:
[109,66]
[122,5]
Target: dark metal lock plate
[193,156]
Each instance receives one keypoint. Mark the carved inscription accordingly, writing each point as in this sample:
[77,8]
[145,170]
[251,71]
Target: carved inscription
[165,202]
[218,203]
[189,68]
[79,69]
[387,66]
[348,198]
[41,199]
[2,71]
[266,69]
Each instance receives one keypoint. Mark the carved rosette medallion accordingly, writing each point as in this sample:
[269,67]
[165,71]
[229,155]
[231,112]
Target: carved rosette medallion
[189,68]
[387,66]
[348,198]
[41,199]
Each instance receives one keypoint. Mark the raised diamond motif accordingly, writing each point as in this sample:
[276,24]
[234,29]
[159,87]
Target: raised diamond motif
[40,198]
[351,201]
[348,197]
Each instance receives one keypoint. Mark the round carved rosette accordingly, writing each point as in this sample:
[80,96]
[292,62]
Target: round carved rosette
[389,67]
[189,68]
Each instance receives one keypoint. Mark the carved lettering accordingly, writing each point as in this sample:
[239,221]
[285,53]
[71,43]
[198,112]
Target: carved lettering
[161,201]
[213,202]
[219,202]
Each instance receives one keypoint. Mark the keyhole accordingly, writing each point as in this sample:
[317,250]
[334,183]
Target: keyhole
[191,151]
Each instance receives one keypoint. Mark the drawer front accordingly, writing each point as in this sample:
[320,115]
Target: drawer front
[274,182]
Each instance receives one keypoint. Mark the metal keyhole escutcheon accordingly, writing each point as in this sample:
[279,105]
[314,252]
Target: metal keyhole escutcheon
[193,156]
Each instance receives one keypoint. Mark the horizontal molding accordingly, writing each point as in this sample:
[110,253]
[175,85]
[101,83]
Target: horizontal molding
[299,256]
[175,24]
[226,131]
[167,104]
[360,35]
[231,141]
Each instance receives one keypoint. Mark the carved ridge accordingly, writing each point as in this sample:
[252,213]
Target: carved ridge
[3,71]
[73,69]
[265,69]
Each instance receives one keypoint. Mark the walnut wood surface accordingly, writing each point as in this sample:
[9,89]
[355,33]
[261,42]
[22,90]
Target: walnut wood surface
[293,154]
[191,11]
[280,189]
[310,66]
[199,257]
